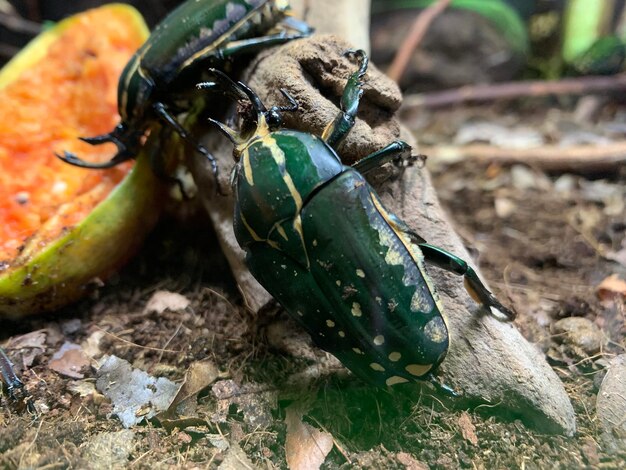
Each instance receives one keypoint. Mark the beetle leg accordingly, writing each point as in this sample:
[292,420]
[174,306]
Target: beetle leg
[121,136]
[169,119]
[474,286]
[337,130]
[252,45]
[441,387]
[8,375]
[398,152]
[288,29]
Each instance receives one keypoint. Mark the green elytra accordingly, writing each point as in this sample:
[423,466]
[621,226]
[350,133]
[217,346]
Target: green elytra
[319,239]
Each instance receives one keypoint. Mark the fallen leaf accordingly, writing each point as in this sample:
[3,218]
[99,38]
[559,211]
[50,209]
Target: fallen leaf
[611,288]
[468,431]
[236,459]
[306,448]
[82,388]
[31,345]
[70,360]
[617,256]
[252,400]
[91,345]
[409,462]
[108,449]
[163,300]
[134,394]
[199,376]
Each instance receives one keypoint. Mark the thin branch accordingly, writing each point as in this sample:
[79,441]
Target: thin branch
[415,36]
[579,158]
[19,24]
[513,90]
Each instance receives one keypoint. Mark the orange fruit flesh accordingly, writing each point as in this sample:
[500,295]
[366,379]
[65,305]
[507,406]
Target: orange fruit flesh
[72,92]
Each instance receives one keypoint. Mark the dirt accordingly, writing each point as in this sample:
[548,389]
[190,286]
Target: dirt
[541,247]
[547,255]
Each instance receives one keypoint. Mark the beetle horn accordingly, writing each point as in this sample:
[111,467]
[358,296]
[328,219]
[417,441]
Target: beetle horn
[232,135]
[236,90]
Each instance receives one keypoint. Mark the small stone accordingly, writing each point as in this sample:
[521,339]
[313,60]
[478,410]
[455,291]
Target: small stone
[565,184]
[579,333]
[611,406]
[109,449]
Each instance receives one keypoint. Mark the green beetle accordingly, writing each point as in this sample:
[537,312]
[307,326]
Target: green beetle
[318,238]
[196,35]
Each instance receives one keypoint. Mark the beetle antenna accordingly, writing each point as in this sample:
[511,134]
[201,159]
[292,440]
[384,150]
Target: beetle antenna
[259,107]
[237,89]
[293,104]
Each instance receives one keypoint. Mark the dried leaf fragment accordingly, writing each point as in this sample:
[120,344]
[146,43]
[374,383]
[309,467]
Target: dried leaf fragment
[468,430]
[612,288]
[163,300]
[70,360]
[306,448]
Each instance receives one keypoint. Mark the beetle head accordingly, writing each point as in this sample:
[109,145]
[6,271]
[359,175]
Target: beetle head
[266,120]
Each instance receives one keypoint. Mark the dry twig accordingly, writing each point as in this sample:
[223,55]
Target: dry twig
[513,90]
[415,36]
[578,158]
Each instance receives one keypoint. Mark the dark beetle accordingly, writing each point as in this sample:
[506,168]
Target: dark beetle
[8,375]
[318,238]
[196,35]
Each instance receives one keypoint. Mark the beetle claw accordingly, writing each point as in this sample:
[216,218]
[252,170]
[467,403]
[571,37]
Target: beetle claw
[72,159]
[441,387]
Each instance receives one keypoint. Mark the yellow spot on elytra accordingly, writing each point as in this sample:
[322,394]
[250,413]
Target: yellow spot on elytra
[341,334]
[314,242]
[417,369]
[358,351]
[395,356]
[330,323]
[377,367]
[393,257]
[338,282]
[420,303]
[360,273]
[379,340]
[435,330]
[300,313]
[356,309]
[395,380]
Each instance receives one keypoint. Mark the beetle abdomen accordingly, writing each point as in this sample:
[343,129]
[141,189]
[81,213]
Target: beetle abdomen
[374,278]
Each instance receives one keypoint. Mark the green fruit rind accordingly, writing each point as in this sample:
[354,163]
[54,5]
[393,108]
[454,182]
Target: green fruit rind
[61,272]
[499,13]
[49,274]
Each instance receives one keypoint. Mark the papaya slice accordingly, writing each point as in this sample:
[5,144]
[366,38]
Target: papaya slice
[63,227]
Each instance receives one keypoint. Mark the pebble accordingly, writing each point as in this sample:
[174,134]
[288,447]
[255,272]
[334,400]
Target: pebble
[611,406]
[580,333]
[109,449]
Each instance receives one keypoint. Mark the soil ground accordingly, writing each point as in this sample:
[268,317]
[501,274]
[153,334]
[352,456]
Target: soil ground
[544,243]
[543,248]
